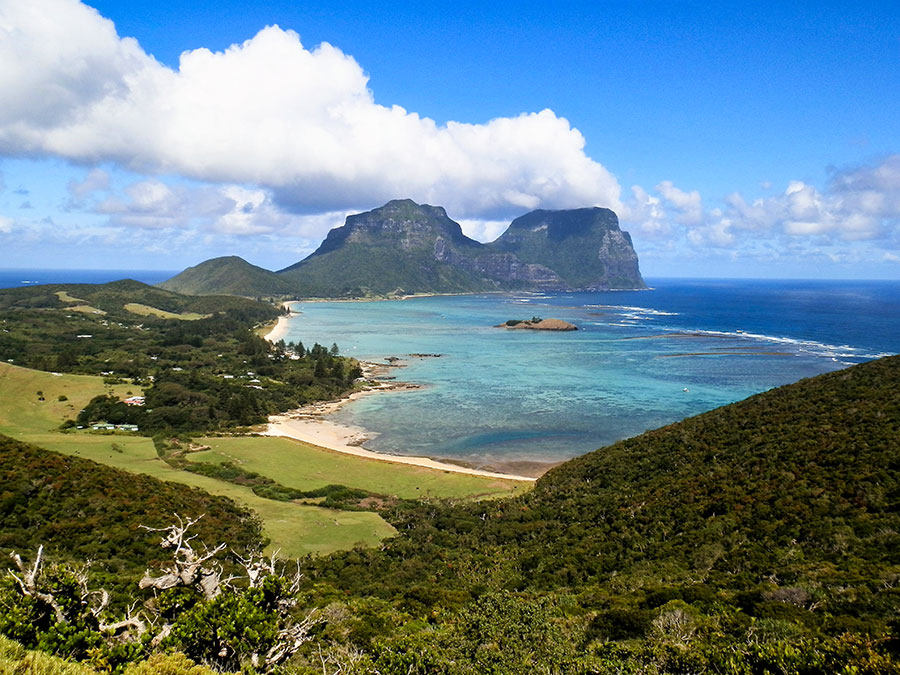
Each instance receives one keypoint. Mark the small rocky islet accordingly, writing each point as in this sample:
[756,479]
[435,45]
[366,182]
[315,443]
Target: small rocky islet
[537,323]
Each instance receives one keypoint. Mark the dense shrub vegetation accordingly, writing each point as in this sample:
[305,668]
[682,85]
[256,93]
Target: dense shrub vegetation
[206,372]
[762,537]
[80,510]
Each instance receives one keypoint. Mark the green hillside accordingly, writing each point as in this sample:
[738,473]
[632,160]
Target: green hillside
[229,275]
[113,296]
[766,532]
[81,510]
[197,359]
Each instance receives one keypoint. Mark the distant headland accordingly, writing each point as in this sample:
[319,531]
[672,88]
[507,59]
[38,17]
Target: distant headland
[404,248]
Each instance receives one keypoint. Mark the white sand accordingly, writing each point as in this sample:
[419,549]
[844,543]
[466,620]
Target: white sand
[336,437]
[279,330]
[308,425]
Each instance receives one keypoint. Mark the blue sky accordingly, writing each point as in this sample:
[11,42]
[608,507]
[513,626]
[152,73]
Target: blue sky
[732,140]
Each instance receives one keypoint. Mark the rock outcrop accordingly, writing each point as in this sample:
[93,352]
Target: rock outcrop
[538,324]
[584,247]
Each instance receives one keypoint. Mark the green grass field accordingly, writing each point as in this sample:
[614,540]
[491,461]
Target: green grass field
[65,297]
[146,310]
[306,467]
[295,529]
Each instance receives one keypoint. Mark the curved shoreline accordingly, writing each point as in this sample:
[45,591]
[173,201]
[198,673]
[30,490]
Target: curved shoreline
[281,326]
[325,435]
[307,424]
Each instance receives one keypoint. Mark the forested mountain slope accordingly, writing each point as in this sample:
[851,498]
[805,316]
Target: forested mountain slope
[231,275]
[770,524]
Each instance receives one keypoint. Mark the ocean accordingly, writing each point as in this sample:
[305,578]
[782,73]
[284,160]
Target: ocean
[640,359]
[17,278]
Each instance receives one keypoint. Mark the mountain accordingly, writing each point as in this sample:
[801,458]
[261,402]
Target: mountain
[401,247]
[230,275]
[584,247]
[404,247]
[412,248]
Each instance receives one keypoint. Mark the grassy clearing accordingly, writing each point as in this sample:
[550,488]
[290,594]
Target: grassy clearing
[65,297]
[304,467]
[22,411]
[265,328]
[146,310]
[294,529]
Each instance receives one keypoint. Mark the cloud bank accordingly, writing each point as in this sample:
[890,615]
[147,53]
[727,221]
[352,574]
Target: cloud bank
[269,113]
[857,204]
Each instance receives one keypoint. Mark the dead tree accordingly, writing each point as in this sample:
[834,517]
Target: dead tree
[289,640]
[89,603]
[28,583]
[188,566]
[292,633]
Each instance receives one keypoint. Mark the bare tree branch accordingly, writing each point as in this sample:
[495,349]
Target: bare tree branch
[132,627]
[187,567]
[290,639]
[28,583]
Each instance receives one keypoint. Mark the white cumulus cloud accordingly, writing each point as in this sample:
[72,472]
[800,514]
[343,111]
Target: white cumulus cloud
[273,114]
[231,210]
[483,230]
[646,211]
[688,205]
[856,204]
[152,204]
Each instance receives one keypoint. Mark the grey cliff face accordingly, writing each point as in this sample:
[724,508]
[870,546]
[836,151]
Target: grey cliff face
[577,249]
[506,267]
[584,247]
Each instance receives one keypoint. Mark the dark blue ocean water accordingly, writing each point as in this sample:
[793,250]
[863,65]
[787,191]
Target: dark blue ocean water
[639,360]
[13,278]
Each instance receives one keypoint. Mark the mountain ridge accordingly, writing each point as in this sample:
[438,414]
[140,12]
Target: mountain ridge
[408,248]
[231,275]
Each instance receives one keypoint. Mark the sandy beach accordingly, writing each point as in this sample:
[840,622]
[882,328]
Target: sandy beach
[279,330]
[308,424]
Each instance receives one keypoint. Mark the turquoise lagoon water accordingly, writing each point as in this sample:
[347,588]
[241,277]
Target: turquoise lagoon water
[639,360]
